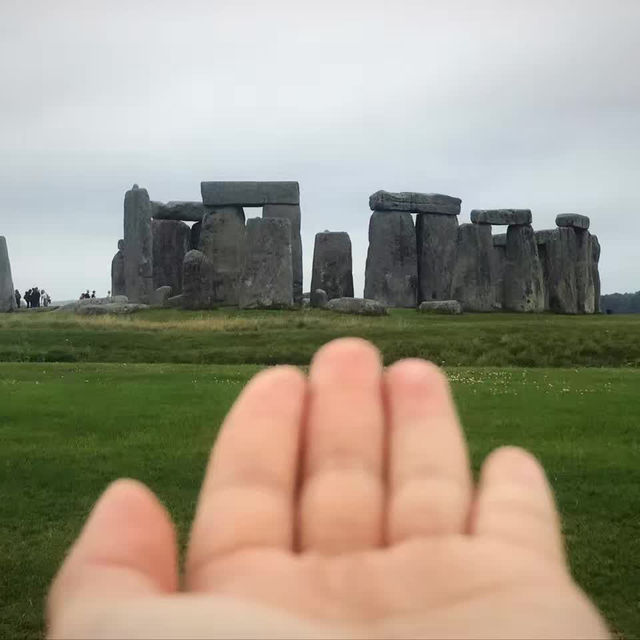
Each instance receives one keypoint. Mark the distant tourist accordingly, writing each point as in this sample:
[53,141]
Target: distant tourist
[93,293]
[45,299]
[18,296]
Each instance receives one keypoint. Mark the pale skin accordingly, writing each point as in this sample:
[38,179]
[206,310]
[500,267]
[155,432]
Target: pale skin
[338,505]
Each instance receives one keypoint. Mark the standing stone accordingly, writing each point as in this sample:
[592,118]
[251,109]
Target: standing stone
[267,277]
[558,253]
[437,237]
[584,273]
[171,240]
[291,212]
[195,235]
[196,281]
[319,299]
[118,287]
[523,282]
[391,275]
[222,240]
[332,265]
[499,262]
[138,245]
[595,272]
[473,275]
[7,292]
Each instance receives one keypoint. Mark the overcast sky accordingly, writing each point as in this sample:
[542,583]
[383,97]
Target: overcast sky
[503,103]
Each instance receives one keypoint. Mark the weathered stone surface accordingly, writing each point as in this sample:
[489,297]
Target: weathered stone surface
[332,264]
[595,273]
[413,202]
[523,281]
[557,250]
[473,283]
[499,257]
[584,274]
[175,302]
[290,212]
[249,194]
[72,306]
[195,235]
[138,245]
[267,276]
[118,287]
[357,306]
[171,241]
[391,275]
[222,240]
[319,299]
[160,296]
[501,216]
[436,241]
[500,240]
[575,220]
[197,290]
[7,292]
[450,307]
[112,308]
[177,210]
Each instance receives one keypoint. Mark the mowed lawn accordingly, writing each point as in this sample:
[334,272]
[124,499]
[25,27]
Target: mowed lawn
[67,430]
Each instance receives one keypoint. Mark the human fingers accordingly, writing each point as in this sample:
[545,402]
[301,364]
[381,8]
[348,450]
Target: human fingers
[430,485]
[126,549]
[514,503]
[342,490]
[247,497]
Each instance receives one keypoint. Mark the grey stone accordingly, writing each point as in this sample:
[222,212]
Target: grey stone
[332,264]
[94,302]
[171,241]
[501,216]
[436,241]
[176,210]
[473,279]
[391,275]
[557,250]
[197,290]
[113,308]
[138,245]
[319,299]
[450,307]
[595,273]
[584,274]
[195,235]
[222,241]
[357,306]
[499,257]
[7,292]
[523,280]
[290,212]
[267,276]
[249,194]
[500,240]
[118,287]
[175,302]
[160,296]
[413,202]
[575,220]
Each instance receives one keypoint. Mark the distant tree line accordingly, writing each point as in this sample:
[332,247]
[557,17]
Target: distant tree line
[620,303]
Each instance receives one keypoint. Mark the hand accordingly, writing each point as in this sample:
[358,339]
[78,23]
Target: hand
[338,506]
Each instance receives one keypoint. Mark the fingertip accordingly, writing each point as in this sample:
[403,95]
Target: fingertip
[417,372]
[348,350]
[514,463]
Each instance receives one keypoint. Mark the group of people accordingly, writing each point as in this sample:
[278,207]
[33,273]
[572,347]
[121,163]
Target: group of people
[34,297]
[87,296]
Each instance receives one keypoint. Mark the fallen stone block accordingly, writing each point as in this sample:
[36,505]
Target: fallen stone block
[160,296]
[113,308]
[319,299]
[450,307]
[357,306]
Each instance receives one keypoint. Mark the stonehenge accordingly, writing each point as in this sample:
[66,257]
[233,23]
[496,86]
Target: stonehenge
[332,265]
[204,255]
[7,295]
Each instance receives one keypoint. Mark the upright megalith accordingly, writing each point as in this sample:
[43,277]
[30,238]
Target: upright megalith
[222,241]
[7,292]
[558,253]
[595,272]
[523,281]
[391,274]
[499,262]
[267,275]
[436,242]
[195,235]
[290,212]
[171,241]
[332,265]
[138,245]
[196,281]
[472,282]
[118,287]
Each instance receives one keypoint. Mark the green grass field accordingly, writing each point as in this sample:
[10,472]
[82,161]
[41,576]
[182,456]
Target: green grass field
[68,428]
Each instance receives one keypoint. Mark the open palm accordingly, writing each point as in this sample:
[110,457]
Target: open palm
[338,506]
